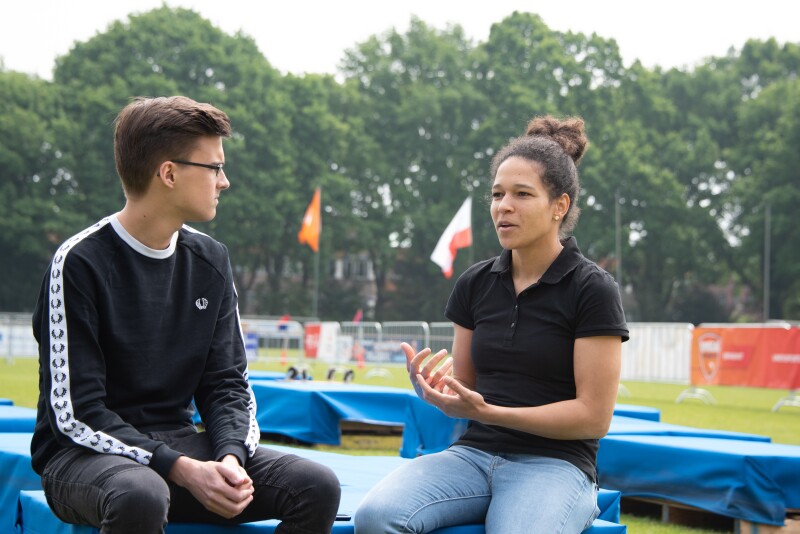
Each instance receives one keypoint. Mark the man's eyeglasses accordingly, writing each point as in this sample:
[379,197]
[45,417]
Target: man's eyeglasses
[216,168]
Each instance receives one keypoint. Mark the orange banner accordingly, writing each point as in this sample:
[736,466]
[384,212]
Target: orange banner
[742,356]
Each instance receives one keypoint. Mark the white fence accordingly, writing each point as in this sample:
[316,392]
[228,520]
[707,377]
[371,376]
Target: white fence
[272,339]
[16,336]
[656,352]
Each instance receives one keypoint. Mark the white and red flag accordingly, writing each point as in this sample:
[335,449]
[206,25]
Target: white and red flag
[458,234]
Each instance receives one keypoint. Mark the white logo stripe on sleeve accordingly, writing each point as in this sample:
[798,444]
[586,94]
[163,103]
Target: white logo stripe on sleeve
[253,432]
[60,398]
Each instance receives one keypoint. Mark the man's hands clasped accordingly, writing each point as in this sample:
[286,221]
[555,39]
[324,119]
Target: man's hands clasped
[222,487]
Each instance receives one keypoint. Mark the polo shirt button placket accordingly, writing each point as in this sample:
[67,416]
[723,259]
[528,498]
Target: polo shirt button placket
[508,340]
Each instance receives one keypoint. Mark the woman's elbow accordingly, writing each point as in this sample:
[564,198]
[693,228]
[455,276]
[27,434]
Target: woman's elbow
[600,431]
[597,425]
[603,425]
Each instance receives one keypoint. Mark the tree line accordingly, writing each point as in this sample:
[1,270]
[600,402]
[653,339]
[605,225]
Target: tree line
[688,186]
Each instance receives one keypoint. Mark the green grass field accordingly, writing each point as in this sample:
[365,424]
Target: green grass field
[737,409]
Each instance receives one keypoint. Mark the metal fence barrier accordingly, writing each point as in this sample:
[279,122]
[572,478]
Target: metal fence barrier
[441,336]
[16,337]
[415,333]
[656,352]
[273,340]
[366,337]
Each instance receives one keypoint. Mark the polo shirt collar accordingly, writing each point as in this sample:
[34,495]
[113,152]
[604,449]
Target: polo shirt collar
[567,260]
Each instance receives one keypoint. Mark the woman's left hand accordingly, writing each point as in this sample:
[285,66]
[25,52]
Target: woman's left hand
[455,399]
[416,364]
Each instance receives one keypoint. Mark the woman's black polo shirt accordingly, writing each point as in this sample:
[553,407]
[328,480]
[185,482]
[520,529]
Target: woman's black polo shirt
[522,347]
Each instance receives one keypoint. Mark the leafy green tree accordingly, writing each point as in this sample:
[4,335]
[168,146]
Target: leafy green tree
[766,163]
[175,51]
[320,135]
[415,168]
[731,99]
[653,155]
[526,69]
[689,160]
[34,181]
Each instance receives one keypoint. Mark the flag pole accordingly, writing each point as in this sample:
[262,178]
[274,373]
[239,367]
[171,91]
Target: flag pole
[315,297]
[471,248]
[309,234]
[317,254]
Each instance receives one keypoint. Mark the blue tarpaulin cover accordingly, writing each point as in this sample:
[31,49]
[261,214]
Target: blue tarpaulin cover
[631,426]
[751,480]
[311,411]
[16,418]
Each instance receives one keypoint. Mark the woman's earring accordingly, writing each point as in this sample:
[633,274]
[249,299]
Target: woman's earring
[556,217]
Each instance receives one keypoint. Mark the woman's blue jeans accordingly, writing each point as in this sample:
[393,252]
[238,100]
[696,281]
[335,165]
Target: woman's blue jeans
[510,493]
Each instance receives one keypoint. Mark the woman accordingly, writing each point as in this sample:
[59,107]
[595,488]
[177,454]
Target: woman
[535,365]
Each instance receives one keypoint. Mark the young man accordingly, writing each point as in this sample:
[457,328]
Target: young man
[137,316]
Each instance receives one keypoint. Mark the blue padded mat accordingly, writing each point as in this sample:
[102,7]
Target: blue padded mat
[751,480]
[311,411]
[265,375]
[638,412]
[16,474]
[357,474]
[35,517]
[621,425]
[17,418]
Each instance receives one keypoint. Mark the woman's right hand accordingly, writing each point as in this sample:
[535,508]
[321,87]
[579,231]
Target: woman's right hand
[430,370]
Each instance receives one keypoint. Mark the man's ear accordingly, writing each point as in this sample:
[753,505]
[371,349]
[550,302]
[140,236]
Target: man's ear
[166,174]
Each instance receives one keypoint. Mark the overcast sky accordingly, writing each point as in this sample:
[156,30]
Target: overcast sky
[310,35]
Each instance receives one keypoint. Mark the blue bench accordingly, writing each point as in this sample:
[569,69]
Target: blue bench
[22,502]
[16,418]
[35,517]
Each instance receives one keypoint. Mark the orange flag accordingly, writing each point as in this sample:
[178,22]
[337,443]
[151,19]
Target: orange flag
[312,224]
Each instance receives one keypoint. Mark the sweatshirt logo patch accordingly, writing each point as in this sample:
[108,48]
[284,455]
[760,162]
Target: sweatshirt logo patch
[201,303]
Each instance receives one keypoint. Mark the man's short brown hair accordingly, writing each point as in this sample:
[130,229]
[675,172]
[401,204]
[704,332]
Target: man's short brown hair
[149,131]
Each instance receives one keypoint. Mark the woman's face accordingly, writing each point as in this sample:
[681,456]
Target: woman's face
[522,211]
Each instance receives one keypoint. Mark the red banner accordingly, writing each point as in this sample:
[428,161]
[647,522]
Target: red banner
[311,340]
[746,356]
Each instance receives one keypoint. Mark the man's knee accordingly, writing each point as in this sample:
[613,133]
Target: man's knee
[323,489]
[316,493]
[137,501]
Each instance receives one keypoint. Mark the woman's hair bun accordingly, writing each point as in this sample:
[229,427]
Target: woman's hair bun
[569,133]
